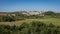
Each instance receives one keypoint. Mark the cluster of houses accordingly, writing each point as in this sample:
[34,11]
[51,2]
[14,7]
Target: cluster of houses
[24,12]
[33,13]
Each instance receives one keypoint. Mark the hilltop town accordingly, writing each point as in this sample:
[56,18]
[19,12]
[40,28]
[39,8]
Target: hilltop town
[23,12]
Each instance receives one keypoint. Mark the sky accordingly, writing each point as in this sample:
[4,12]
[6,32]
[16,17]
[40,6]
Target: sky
[29,5]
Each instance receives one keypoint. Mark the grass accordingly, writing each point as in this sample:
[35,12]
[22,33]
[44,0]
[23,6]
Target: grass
[55,21]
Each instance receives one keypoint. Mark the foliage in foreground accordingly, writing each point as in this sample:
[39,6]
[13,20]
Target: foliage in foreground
[31,28]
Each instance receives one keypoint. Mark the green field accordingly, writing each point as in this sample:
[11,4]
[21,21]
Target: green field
[54,21]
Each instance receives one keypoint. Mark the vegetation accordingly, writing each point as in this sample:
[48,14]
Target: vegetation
[31,28]
[20,16]
[7,18]
[50,13]
[47,24]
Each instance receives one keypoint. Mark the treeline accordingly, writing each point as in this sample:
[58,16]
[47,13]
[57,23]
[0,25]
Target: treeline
[10,18]
[31,28]
[17,17]
[7,18]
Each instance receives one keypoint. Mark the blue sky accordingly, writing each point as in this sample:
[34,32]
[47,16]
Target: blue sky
[29,5]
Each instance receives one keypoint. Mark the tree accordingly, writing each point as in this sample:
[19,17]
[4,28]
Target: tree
[50,13]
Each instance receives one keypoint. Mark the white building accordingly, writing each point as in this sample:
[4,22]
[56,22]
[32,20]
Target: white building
[33,13]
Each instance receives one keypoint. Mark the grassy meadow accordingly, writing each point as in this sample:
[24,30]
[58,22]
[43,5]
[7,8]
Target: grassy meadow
[54,21]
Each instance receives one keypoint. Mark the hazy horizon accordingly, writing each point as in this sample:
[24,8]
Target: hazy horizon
[29,5]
